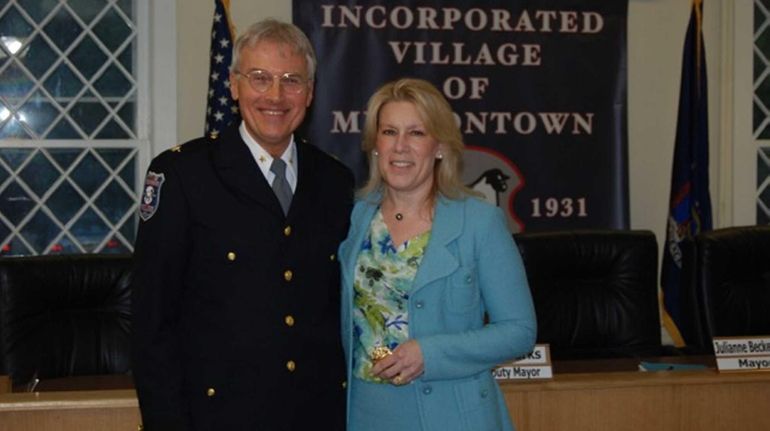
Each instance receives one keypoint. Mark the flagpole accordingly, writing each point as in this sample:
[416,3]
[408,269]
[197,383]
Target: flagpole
[226,6]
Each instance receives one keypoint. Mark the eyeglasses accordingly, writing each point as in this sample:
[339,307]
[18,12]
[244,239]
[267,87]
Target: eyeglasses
[262,80]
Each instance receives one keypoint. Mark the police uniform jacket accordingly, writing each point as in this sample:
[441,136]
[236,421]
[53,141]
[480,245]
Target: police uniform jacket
[236,306]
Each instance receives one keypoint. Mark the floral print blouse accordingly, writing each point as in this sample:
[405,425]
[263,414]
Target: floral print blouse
[383,280]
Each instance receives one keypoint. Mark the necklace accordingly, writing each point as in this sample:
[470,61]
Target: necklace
[399,216]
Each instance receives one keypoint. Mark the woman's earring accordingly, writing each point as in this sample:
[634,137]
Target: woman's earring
[439,156]
[375,153]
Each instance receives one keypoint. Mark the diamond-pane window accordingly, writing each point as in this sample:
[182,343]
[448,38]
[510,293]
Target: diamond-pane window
[763,185]
[13,24]
[114,156]
[88,115]
[15,247]
[82,53]
[112,29]
[15,203]
[115,246]
[68,87]
[114,202]
[113,83]
[14,157]
[63,83]
[65,245]
[126,6]
[15,83]
[758,16]
[65,202]
[5,233]
[758,66]
[87,10]
[39,174]
[762,41]
[126,58]
[128,230]
[89,175]
[38,9]
[38,113]
[112,130]
[90,231]
[39,232]
[4,175]
[128,172]
[62,29]
[12,129]
[761,111]
[64,130]
[88,57]
[37,56]
[126,114]
[65,157]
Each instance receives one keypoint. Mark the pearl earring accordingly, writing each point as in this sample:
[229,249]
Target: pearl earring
[375,153]
[439,156]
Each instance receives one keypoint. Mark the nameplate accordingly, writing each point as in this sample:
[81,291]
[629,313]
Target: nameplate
[742,353]
[534,365]
[540,355]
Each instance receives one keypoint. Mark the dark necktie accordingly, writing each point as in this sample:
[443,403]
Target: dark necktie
[281,187]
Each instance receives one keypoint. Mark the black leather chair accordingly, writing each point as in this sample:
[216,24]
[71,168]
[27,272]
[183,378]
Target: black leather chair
[726,291]
[64,316]
[595,292]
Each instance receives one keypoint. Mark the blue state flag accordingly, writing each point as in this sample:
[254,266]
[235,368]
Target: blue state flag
[221,109]
[689,201]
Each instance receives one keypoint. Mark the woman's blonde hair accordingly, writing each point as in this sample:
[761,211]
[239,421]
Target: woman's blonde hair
[440,123]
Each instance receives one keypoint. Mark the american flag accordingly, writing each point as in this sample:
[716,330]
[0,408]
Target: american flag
[221,109]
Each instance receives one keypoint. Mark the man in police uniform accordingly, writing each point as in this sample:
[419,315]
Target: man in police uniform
[236,284]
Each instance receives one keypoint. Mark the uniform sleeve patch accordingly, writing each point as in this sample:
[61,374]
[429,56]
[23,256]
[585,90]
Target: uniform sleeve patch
[151,195]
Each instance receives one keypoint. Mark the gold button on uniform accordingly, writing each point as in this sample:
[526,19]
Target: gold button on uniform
[344,384]
[289,320]
[210,392]
[287,231]
[287,275]
[291,365]
[231,256]
[332,257]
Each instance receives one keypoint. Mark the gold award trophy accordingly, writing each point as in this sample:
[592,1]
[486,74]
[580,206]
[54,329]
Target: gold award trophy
[379,353]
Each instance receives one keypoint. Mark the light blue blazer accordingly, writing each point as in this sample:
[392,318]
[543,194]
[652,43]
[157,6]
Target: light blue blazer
[471,266]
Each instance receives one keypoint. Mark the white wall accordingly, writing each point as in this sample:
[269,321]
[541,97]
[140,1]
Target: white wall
[194,37]
[656,41]
[656,38]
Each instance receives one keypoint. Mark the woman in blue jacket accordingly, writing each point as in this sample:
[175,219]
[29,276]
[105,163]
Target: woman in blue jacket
[423,263]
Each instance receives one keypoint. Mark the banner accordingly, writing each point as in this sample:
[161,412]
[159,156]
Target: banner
[538,88]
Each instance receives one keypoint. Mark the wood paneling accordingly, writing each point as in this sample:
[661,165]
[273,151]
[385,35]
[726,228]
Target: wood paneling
[701,400]
[671,401]
[112,410]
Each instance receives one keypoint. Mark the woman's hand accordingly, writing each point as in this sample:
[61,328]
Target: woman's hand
[403,366]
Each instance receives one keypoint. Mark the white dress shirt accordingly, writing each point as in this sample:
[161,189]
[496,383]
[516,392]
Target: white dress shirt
[265,160]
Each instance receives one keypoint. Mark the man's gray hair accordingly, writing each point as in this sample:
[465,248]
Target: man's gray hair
[276,31]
